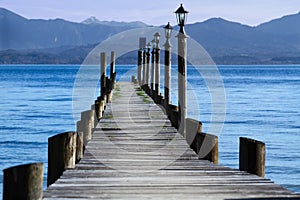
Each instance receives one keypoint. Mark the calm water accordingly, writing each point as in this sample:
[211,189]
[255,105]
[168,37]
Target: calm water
[262,102]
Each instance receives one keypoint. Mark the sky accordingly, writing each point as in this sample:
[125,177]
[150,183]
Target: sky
[154,12]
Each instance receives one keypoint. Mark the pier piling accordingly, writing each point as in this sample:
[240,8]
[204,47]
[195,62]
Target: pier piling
[87,123]
[167,69]
[152,82]
[112,69]
[140,67]
[252,156]
[79,147]
[23,182]
[157,67]
[61,154]
[103,74]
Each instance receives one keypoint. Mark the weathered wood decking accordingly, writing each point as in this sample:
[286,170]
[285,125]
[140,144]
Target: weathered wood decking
[135,153]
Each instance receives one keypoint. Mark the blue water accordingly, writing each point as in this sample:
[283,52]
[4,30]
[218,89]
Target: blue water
[262,102]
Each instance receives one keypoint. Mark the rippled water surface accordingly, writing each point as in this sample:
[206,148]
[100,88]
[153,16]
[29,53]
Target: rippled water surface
[262,102]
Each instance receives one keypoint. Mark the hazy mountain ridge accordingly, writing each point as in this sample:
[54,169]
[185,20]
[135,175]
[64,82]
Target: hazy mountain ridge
[277,41]
[21,33]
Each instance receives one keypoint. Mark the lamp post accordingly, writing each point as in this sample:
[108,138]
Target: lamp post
[167,85]
[157,65]
[181,15]
[152,67]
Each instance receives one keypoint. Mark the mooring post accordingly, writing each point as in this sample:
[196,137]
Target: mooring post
[94,118]
[61,154]
[79,147]
[144,68]
[112,69]
[102,107]
[80,128]
[101,103]
[252,156]
[103,75]
[193,127]
[167,84]
[23,182]
[142,44]
[157,66]
[152,69]
[173,115]
[147,68]
[207,147]
[108,90]
[97,110]
[142,71]
[87,123]
[140,53]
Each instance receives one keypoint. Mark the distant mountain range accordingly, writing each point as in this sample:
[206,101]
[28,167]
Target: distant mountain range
[59,41]
[21,33]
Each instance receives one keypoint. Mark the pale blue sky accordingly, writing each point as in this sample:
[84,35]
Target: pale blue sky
[156,12]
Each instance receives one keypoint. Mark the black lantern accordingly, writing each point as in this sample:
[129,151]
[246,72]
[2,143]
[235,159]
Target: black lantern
[156,38]
[181,15]
[168,30]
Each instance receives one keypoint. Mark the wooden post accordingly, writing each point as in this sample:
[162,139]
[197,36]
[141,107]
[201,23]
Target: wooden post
[147,69]
[157,72]
[79,126]
[87,120]
[207,147]
[102,106]
[94,118]
[61,154]
[97,110]
[182,48]
[167,84]
[79,147]
[103,74]
[23,182]
[108,90]
[173,115]
[142,45]
[152,72]
[252,156]
[192,128]
[140,67]
[112,69]
[144,68]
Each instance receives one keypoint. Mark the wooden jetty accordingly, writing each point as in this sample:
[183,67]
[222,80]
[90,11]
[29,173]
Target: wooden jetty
[133,146]
[143,147]
[135,153]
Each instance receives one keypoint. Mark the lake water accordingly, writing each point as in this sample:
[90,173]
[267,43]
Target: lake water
[262,102]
